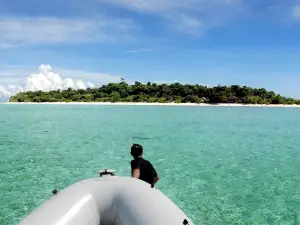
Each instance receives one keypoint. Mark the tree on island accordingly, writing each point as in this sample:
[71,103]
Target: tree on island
[163,93]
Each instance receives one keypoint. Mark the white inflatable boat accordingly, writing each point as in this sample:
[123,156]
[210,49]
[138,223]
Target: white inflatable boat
[108,200]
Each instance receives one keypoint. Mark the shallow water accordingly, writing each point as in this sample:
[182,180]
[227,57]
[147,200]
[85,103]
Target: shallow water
[220,165]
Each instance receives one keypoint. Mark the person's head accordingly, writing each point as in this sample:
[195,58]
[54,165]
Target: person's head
[136,150]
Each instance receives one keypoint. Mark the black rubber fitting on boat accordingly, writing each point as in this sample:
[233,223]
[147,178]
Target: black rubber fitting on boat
[105,172]
[185,222]
[54,192]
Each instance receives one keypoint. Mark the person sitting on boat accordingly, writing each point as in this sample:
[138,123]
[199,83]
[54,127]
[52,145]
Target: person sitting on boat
[141,168]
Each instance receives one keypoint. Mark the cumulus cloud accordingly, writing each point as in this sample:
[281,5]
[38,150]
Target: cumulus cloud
[47,80]
[6,92]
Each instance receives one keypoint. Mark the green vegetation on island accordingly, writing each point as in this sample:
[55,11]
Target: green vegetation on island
[162,93]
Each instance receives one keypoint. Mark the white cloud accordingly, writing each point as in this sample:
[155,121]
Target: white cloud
[186,16]
[153,5]
[7,46]
[49,30]
[189,25]
[98,78]
[6,92]
[140,50]
[158,6]
[296,12]
[47,80]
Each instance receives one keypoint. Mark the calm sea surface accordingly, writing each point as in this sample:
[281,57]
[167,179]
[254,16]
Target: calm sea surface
[220,165]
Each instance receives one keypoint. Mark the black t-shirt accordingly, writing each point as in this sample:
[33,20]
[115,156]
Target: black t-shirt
[147,171]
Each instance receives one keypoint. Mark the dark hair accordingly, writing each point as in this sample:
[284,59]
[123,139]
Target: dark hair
[136,150]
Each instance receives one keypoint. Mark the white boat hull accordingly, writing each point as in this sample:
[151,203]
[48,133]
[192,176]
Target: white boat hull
[110,200]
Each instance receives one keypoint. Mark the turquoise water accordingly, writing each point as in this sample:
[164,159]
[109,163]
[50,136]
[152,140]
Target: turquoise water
[220,165]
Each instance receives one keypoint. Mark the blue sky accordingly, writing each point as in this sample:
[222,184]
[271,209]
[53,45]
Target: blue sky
[209,42]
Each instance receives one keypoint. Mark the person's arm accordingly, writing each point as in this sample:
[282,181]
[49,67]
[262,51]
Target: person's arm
[136,173]
[155,179]
[135,169]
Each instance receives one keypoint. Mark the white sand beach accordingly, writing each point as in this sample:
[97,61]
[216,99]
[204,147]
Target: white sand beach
[152,104]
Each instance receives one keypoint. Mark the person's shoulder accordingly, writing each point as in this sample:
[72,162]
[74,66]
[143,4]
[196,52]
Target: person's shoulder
[135,164]
[147,161]
[134,161]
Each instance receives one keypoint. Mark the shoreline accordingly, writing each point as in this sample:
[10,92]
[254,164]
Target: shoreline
[151,104]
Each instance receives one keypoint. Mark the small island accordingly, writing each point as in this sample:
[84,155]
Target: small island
[160,93]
